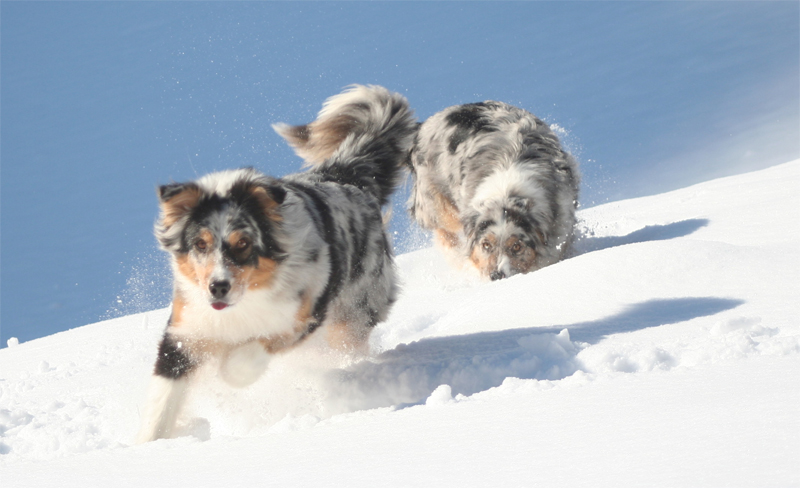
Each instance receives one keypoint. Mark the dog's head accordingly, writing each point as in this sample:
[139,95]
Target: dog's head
[503,238]
[223,232]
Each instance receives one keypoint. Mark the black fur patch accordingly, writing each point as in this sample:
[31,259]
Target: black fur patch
[243,197]
[240,195]
[165,192]
[469,119]
[312,326]
[519,219]
[481,229]
[372,313]
[173,362]
[360,242]
[376,175]
[323,218]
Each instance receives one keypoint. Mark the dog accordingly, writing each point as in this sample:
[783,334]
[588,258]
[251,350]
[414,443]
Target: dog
[261,263]
[496,187]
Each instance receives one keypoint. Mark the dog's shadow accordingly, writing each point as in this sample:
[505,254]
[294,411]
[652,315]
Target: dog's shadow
[586,244]
[407,374]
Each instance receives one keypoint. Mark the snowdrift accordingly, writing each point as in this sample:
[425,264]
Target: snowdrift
[664,352]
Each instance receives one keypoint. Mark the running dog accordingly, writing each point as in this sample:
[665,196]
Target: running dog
[261,263]
[496,187]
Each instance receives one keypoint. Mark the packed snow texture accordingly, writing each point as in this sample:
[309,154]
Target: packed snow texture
[664,352]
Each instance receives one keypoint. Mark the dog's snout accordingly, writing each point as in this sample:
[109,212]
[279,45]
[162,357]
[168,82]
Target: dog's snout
[497,275]
[219,289]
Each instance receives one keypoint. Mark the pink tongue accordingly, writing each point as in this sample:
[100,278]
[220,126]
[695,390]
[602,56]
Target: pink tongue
[219,305]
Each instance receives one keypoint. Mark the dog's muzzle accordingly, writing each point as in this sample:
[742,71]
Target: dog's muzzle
[497,275]
[219,289]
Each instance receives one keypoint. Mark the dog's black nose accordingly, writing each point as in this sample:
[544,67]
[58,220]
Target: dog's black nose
[497,275]
[219,288]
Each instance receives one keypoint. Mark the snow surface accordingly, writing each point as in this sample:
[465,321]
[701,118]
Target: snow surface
[665,352]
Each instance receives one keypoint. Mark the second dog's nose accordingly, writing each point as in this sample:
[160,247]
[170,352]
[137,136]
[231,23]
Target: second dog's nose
[497,275]
[219,289]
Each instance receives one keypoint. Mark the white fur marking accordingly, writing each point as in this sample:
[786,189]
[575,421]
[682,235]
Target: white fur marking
[244,365]
[508,181]
[164,402]
[504,265]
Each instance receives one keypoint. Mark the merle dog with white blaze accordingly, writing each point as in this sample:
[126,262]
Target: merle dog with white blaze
[496,187]
[261,263]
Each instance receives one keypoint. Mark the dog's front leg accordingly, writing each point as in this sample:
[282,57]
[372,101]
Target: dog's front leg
[167,389]
[242,365]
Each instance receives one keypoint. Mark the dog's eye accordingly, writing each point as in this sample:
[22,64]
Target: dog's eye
[242,244]
[516,248]
[200,245]
[487,246]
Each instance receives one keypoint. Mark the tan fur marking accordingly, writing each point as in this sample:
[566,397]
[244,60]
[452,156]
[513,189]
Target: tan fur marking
[296,135]
[185,267]
[304,312]
[276,344]
[345,338]
[525,260]
[284,342]
[207,348]
[176,207]
[486,262]
[269,205]
[234,238]
[447,214]
[197,269]
[317,141]
[326,136]
[178,306]
[446,239]
[259,277]
[279,343]
[207,236]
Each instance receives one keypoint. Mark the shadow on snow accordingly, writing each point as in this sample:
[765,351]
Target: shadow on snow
[665,232]
[471,363]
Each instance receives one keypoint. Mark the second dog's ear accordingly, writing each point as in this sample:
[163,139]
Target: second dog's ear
[470,221]
[176,199]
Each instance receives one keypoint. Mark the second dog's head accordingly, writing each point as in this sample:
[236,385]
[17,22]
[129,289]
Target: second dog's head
[502,238]
[223,232]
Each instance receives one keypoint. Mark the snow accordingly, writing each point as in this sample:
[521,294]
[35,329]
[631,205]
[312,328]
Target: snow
[664,352]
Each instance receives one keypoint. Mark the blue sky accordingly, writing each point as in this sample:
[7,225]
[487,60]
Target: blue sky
[102,101]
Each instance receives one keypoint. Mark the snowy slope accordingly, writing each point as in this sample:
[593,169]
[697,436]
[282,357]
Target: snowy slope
[666,352]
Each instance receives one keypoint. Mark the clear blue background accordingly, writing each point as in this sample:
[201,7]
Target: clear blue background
[102,101]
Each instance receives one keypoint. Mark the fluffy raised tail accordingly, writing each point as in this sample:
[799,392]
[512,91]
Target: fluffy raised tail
[361,137]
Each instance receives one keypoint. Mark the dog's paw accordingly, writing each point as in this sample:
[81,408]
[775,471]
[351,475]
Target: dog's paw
[244,365]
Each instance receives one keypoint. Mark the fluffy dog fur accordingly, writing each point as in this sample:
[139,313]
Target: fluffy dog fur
[261,263]
[494,184]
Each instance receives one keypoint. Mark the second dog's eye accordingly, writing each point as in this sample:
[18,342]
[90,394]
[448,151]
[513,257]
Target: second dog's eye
[487,246]
[516,248]
[200,245]
[242,244]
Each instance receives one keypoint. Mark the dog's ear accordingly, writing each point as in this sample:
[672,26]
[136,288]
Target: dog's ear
[177,199]
[470,222]
[270,196]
